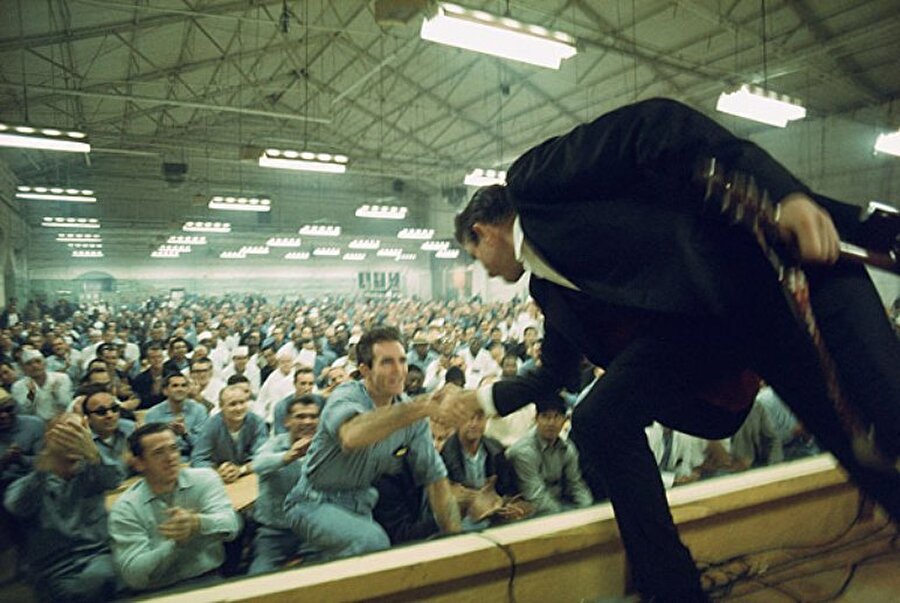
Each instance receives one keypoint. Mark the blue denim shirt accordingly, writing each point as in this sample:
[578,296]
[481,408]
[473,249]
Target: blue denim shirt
[194,417]
[275,481]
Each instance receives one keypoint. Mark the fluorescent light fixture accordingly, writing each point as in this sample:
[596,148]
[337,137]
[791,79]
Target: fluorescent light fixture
[232,255]
[758,104]
[416,233]
[284,242]
[447,254]
[480,177]
[186,240]
[87,253]
[389,252]
[70,222]
[405,257]
[164,255]
[435,245]
[305,161]
[206,227]
[327,251]
[364,244]
[47,139]
[354,257]
[230,203]
[78,237]
[381,212]
[320,230]
[255,250]
[176,248]
[296,255]
[55,193]
[84,245]
[498,36]
[888,143]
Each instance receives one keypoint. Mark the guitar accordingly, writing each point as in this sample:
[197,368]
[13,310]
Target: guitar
[741,202]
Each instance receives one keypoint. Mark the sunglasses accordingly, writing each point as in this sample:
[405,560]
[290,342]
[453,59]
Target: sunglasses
[102,411]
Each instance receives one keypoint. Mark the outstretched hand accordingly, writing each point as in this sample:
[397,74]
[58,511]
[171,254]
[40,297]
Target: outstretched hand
[455,405]
[804,223]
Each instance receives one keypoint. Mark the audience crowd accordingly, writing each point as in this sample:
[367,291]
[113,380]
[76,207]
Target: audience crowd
[121,430]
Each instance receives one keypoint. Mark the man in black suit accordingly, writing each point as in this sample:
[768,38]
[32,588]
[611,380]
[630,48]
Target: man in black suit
[632,273]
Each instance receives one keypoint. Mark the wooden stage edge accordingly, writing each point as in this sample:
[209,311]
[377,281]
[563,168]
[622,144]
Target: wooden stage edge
[575,555]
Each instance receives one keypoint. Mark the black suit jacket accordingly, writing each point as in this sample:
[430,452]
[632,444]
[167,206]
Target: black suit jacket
[495,463]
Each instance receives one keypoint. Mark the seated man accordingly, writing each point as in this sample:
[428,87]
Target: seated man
[60,508]
[304,383]
[169,526]
[472,460]
[364,429]
[148,385]
[203,386]
[229,440]
[20,440]
[183,415]
[41,392]
[547,465]
[109,430]
[241,365]
[278,465]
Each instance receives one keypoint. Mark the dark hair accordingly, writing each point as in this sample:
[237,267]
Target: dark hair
[306,400]
[455,375]
[104,347]
[364,349]
[303,370]
[167,378]
[134,440]
[553,403]
[204,360]
[235,379]
[414,367]
[92,389]
[489,205]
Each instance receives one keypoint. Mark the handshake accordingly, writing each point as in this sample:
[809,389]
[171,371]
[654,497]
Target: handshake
[452,405]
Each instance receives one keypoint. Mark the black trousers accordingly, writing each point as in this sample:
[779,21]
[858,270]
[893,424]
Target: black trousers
[657,375]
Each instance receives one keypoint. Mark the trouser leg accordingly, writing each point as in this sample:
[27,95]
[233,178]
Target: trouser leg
[272,547]
[336,532]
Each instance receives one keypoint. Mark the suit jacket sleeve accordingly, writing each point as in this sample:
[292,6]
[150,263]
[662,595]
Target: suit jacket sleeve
[652,147]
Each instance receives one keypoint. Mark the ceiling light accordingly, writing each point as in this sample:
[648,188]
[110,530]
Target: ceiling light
[48,139]
[416,233]
[206,227]
[382,212]
[255,250]
[354,257]
[888,143]
[435,245]
[498,36]
[389,252]
[186,240]
[480,177]
[405,257]
[284,242]
[176,248]
[320,230]
[70,222]
[78,237]
[85,245]
[758,104]
[87,253]
[232,255]
[327,251]
[306,161]
[364,244]
[230,203]
[164,255]
[447,254]
[297,255]
[55,193]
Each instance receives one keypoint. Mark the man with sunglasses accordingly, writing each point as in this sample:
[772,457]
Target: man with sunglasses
[109,430]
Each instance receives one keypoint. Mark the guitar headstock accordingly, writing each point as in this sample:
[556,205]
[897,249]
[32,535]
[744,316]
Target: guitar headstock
[737,198]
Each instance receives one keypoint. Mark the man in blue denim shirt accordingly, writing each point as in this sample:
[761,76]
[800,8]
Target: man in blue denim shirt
[278,464]
[185,416]
[364,431]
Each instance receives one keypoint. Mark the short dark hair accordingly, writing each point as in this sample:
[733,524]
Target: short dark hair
[204,360]
[553,403]
[235,379]
[414,367]
[306,400]
[134,440]
[303,370]
[489,205]
[364,349]
[92,389]
[455,375]
[167,378]
[103,347]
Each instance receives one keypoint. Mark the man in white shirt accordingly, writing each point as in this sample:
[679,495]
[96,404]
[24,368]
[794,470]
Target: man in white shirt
[41,392]
[241,365]
[279,384]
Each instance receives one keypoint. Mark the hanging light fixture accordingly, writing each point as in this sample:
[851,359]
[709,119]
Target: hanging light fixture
[364,244]
[284,242]
[320,230]
[305,161]
[78,237]
[255,250]
[435,245]
[354,257]
[758,104]
[186,240]
[70,222]
[230,203]
[480,177]
[416,233]
[405,257]
[327,251]
[55,193]
[164,255]
[888,143]
[84,245]
[206,227]
[381,212]
[389,252]
[503,37]
[232,255]
[87,253]
[447,254]
[47,139]
[297,255]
